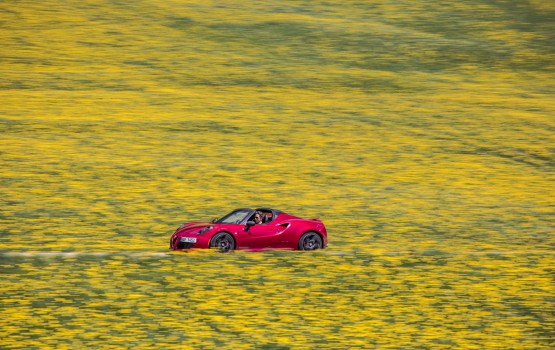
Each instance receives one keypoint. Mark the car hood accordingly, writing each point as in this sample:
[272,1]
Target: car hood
[192,225]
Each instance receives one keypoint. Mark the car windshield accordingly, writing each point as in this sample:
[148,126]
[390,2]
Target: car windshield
[235,217]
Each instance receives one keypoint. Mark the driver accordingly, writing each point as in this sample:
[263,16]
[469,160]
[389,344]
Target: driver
[258,218]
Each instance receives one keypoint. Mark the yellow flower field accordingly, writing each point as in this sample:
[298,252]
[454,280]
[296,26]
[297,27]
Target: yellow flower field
[421,134]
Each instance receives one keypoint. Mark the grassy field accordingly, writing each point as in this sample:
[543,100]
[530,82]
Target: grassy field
[421,134]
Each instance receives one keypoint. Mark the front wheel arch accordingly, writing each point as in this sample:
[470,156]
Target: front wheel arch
[231,245]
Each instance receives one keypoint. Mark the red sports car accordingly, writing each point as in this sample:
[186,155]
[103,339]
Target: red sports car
[261,228]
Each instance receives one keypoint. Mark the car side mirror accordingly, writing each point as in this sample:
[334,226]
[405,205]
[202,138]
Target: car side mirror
[214,221]
[249,224]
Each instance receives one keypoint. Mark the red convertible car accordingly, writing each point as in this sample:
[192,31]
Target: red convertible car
[261,228]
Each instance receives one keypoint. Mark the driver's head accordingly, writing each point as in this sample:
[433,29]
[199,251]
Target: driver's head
[258,217]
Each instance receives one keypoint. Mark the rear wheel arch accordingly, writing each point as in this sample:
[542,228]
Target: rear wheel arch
[308,233]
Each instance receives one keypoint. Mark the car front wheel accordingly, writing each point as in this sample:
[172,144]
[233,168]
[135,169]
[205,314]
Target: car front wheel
[310,241]
[223,241]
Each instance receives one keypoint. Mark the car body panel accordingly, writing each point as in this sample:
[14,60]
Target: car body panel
[279,231]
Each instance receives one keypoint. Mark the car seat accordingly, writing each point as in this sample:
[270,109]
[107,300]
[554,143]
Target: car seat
[267,218]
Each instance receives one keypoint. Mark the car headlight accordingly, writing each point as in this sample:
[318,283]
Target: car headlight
[208,228]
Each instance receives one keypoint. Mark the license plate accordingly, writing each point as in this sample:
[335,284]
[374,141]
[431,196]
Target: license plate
[188,239]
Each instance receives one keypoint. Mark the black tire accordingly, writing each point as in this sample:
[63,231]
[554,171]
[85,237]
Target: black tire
[310,241]
[223,241]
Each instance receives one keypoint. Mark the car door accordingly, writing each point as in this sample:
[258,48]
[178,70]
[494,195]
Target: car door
[262,236]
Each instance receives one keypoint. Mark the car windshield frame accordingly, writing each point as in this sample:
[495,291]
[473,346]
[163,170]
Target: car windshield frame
[238,216]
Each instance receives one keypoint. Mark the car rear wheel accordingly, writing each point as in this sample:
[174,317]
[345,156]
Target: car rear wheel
[310,241]
[223,241]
